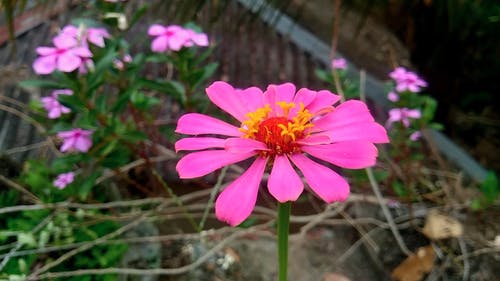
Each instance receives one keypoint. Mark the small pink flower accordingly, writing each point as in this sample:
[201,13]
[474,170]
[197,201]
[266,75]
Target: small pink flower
[415,136]
[63,180]
[172,37]
[407,80]
[392,96]
[194,38]
[94,35]
[339,63]
[66,56]
[76,140]
[127,58]
[118,64]
[284,128]
[398,74]
[52,105]
[402,115]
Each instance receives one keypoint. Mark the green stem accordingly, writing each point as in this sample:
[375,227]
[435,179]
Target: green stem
[283,224]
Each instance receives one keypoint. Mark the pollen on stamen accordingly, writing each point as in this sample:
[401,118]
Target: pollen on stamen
[279,133]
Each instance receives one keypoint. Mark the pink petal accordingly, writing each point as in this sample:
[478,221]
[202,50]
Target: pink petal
[68,144]
[198,124]
[64,41]
[198,143]
[54,113]
[414,113]
[371,132]
[349,112]
[327,184]
[70,30]
[65,134]
[68,62]
[252,98]
[226,98]
[284,183]
[83,144]
[324,99]
[45,65]
[176,43]
[159,44]
[304,96]
[156,30]
[200,39]
[315,139]
[83,52]
[45,51]
[237,201]
[349,154]
[200,163]
[242,145]
[279,93]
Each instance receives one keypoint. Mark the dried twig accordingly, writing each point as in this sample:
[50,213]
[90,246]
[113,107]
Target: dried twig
[155,271]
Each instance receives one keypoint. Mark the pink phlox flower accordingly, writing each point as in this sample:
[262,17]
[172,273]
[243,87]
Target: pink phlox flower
[285,130]
[407,80]
[172,37]
[415,136]
[76,140]
[94,35]
[392,96]
[67,55]
[64,180]
[398,73]
[120,64]
[127,58]
[53,107]
[403,115]
[195,38]
[339,63]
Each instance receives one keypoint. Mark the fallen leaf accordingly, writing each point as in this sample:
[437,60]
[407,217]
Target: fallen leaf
[439,226]
[416,265]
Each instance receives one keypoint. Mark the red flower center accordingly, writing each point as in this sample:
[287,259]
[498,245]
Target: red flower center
[273,132]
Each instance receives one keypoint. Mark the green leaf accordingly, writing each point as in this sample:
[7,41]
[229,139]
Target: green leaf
[116,158]
[137,15]
[324,75]
[204,73]
[400,189]
[27,239]
[489,187]
[171,88]
[134,136]
[37,83]
[87,185]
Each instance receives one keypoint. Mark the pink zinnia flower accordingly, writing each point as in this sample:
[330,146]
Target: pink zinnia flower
[94,35]
[278,127]
[76,140]
[63,180]
[407,80]
[339,63]
[66,56]
[392,96]
[52,105]
[403,115]
[171,37]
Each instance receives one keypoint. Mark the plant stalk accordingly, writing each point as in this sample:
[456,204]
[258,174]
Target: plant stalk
[283,226]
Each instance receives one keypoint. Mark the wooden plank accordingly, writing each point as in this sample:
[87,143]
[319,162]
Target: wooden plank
[374,88]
